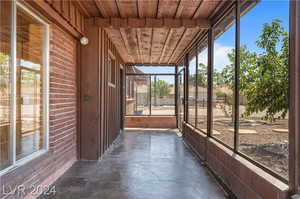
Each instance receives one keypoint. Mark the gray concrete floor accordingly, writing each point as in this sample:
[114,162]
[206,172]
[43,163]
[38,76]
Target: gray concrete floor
[148,164]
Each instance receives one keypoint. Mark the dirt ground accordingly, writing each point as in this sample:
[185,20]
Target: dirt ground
[265,146]
[260,141]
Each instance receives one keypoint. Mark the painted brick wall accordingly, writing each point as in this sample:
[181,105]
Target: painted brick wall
[244,179]
[47,168]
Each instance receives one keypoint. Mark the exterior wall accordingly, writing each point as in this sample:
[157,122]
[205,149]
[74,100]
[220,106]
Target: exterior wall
[150,121]
[46,168]
[244,179]
[100,101]
[69,15]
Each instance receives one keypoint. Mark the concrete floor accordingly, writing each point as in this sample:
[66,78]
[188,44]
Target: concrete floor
[141,165]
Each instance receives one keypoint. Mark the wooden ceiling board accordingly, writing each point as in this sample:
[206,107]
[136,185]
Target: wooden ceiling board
[130,40]
[174,36]
[183,42]
[145,38]
[127,8]
[188,8]
[167,8]
[107,8]
[148,44]
[158,41]
[207,6]
[90,7]
[116,38]
[147,8]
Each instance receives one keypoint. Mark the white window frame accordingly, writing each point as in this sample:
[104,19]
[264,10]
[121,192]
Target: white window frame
[13,63]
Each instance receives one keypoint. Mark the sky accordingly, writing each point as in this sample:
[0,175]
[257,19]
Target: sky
[251,27]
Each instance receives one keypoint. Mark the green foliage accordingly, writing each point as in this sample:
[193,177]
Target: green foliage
[226,105]
[220,94]
[161,88]
[202,76]
[218,78]
[264,76]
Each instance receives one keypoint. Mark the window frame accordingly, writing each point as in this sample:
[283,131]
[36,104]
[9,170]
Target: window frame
[14,163]
[150,75]
[294,178]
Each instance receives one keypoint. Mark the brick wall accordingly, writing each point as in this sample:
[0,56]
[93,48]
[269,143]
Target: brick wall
[46,168]
[150,121]
[244,179]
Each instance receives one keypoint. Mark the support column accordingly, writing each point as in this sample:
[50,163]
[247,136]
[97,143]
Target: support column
[90,78]
[294,99]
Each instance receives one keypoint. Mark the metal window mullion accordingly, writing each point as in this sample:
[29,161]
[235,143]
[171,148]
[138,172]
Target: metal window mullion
[150,96]
[236,77]
[187,88]
[196,87]
[13,84]
[210,66]
[176,94]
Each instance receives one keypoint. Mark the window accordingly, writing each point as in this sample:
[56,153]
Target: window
[23,115]
[163,95]
[223,77]
[263,106]
[150,92]
[5,88]
[202,87]
[192,90]
[138,98]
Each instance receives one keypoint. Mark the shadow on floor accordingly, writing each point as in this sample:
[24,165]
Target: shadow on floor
[152,164]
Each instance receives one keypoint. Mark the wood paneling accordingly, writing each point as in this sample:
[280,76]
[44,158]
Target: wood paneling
[147,8]
[71,11]
[156,42]
[100,100]
[64,13]
[152,34]
[127,8]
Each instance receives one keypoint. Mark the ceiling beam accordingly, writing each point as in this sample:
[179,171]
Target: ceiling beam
[151,23]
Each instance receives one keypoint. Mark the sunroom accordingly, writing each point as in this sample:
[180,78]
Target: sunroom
[149,98]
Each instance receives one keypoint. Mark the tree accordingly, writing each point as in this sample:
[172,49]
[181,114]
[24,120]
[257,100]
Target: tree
[161,88]
[264,77]
[202,76]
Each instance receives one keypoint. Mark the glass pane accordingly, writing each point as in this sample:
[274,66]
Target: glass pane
[30,50]
[5,83]
[137,95]
[223,77]
[163,95]
[192,91]
[202,87]
[263,129]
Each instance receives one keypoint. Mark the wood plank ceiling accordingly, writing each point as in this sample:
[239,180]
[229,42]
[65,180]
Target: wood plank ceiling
[152,46]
